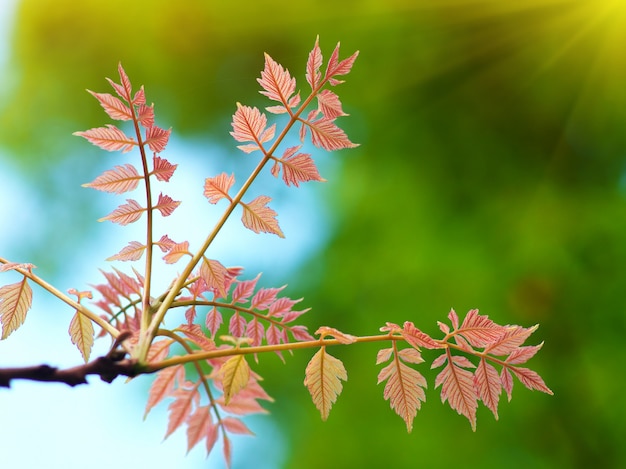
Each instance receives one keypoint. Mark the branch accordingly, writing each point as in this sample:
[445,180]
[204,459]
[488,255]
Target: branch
[108,368]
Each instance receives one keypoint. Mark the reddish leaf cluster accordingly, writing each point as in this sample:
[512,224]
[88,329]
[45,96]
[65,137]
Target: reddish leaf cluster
[121,179]
[477,336]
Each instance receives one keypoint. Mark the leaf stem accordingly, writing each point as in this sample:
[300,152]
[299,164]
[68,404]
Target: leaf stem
[153,367]
[66,299]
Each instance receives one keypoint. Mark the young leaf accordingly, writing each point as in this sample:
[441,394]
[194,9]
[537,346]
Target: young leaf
[260,218]
[325,134]
[235,425]
[166,205]
[513,337]
[417,338]
[195,333]
[177,251]
[323,377]
[163,385]
[214,275]
[145,115]
[115,108]
[244,290]
[201,426]
[181,408]
[213,321]
[277,82]
[249,126]
[297,168]
[109,138]
[119,180]
[157,138]
[235,374]
[340,336]
[313,64]
[457,387]
[125,89]
[479,330]
[125,214]
[132,252]
[163,169]
[530,379]
[404,389]
[336,68]
[329,104]
[216,188]
[82,333]
[15,301]
[488,386]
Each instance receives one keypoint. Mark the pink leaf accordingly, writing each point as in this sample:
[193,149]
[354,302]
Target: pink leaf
[507,382]
[341,337]
[255,331]
[140,97]
[145,115]
[166,205]
[260,218]
[214,275]
[195,333]
[234,425]
[237,325]
[181,408]
[530,379]
[249,126]
[454,319]
[108,138]
[313,65]
[513,337]
[176,252]
[265,297]
[115,108]
[404,390]
[325,134]
[243,290]
[417,338]
[300,333]
[458,389]
[157,138]
[119,180]
[282,306]
[523,354]
[163,169]
[336,68]
[216,188]
[298,168]
[479,330]
[132,252]
[163,386]
[200,426]
[328,104]
[125,214]
[276,81]
[213,321]
[488,386]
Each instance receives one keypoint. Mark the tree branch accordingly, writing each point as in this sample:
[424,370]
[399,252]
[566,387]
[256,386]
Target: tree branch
[107,367]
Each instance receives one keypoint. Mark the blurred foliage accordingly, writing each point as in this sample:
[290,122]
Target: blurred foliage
[491,175]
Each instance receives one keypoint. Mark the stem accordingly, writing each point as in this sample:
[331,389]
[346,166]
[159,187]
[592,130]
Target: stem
[153,367]
[145,307]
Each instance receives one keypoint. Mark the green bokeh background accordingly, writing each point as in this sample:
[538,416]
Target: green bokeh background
[490,175]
